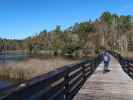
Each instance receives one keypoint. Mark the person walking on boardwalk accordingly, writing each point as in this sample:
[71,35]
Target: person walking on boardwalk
[106,60]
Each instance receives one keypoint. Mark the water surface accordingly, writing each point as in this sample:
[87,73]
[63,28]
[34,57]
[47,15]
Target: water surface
[10,57]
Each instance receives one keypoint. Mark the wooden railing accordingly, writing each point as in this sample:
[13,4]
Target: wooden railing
[61,84]
[126,63]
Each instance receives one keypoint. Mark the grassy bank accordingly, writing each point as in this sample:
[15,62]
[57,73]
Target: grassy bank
[33,67]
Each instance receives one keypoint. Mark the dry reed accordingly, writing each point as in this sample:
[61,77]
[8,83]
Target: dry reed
[28,69]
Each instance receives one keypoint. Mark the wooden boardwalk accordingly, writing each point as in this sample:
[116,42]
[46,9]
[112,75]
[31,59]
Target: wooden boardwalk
[114,85]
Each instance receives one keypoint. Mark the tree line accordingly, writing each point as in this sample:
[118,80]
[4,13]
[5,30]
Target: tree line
[109,31]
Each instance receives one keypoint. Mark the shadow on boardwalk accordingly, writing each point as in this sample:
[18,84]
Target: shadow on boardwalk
[115,85]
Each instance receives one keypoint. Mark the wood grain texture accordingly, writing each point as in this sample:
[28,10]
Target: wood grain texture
[114,85]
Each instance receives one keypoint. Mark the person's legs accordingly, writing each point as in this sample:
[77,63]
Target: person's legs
[106,64]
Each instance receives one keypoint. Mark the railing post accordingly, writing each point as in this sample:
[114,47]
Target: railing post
[95,63]
[92,66]
[83,70]
[66,79]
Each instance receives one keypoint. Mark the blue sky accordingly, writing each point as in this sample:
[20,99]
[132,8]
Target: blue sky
[22,18]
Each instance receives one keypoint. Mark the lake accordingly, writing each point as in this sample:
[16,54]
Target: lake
[31,66]
[12,56]
[7,58]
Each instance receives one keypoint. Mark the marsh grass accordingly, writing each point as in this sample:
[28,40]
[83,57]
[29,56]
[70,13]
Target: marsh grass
[26,70]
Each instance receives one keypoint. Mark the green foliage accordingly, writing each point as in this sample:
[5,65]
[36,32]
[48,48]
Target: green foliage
[89,34]
[107,17]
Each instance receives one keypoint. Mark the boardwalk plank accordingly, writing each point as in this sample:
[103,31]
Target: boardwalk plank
[114,85]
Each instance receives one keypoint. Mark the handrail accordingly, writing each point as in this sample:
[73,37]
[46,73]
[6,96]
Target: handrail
[61,84]
[126,63]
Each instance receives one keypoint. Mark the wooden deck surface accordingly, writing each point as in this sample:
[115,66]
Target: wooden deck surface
[114,85]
